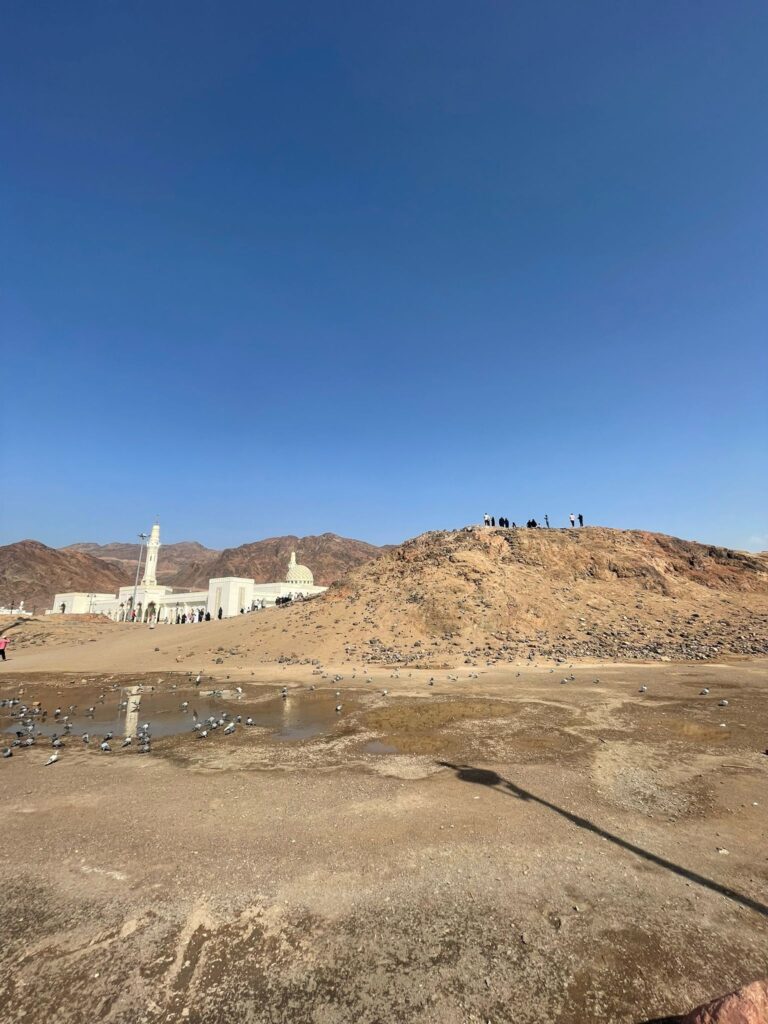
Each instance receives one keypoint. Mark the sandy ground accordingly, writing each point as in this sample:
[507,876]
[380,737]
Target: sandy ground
[492,847]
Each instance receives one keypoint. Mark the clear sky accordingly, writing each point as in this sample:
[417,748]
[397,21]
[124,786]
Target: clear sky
[378,268]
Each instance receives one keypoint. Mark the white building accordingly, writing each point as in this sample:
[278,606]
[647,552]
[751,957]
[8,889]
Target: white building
[225,596]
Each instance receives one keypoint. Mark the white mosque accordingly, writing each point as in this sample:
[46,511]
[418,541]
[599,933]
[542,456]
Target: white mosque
[149,602]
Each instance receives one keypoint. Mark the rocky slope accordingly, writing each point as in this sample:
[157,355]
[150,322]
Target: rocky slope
[479,596]
[33,573]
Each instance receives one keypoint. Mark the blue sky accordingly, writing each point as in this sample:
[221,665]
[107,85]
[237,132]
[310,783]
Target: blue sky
[379,268]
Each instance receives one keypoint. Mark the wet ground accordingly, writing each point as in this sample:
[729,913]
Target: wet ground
[168,710]
[466,850]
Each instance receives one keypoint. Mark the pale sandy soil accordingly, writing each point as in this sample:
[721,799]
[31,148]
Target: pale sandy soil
[569,867]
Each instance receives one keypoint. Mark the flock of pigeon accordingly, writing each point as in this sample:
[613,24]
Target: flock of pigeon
[29,717]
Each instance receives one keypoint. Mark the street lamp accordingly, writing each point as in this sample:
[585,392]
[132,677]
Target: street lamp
[142,538]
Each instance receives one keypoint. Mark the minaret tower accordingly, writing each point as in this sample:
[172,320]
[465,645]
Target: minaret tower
[150,566]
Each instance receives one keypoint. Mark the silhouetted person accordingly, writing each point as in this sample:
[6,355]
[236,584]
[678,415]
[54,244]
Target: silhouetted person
[546,520]
[581,519]
[572,518]
[493,520]
[220,613]
[514,525]
[207,616]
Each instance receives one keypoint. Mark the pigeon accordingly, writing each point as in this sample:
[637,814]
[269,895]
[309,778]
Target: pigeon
[144,749]
[704,692]
[338,708]
[108,736]
[202,734]
[642,689]
[184,705]
[128,741]
[249,721]
[722,703]
[239,689]
[86,738]
[7,752]
[52,759]
[230,729]
[197,680]
[56,742]
[384,693]
[105,747]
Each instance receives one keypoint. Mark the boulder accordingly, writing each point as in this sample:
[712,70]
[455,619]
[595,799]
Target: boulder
[748,1005]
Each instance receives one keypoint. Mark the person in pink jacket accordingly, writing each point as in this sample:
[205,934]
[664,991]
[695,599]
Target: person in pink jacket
[3,645]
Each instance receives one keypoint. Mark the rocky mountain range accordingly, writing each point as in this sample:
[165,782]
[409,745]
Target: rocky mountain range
[32,572]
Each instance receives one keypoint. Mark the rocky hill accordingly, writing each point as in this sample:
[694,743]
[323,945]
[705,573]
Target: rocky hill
[33,573]
[485,595]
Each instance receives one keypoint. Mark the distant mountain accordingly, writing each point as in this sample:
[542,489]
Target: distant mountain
[328,556]
[174,558]
[33,573]
[189,564]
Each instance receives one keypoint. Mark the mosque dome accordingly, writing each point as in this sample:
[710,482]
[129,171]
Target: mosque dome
[299,575]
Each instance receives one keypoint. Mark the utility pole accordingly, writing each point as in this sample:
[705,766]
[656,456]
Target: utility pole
[142,538]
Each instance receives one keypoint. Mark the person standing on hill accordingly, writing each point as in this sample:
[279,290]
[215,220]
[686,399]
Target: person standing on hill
[572,517]
[486,520]
[546,519]
[581,519]
[3,644]
[493,520]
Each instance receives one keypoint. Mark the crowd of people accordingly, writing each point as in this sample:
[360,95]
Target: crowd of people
[532,524]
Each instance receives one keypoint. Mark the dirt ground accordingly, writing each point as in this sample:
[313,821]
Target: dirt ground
[497,846]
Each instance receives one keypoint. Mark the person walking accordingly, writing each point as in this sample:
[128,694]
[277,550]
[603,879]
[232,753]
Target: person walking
[581,519]
[572,517]
[546,519]
[221,613]
[4,641]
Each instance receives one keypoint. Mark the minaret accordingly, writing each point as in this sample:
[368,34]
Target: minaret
[150,567]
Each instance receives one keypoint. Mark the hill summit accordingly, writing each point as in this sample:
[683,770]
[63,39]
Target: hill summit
[482,595]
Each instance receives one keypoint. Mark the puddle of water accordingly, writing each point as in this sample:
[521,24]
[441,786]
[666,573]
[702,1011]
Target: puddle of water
[378,747]
[300,716]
